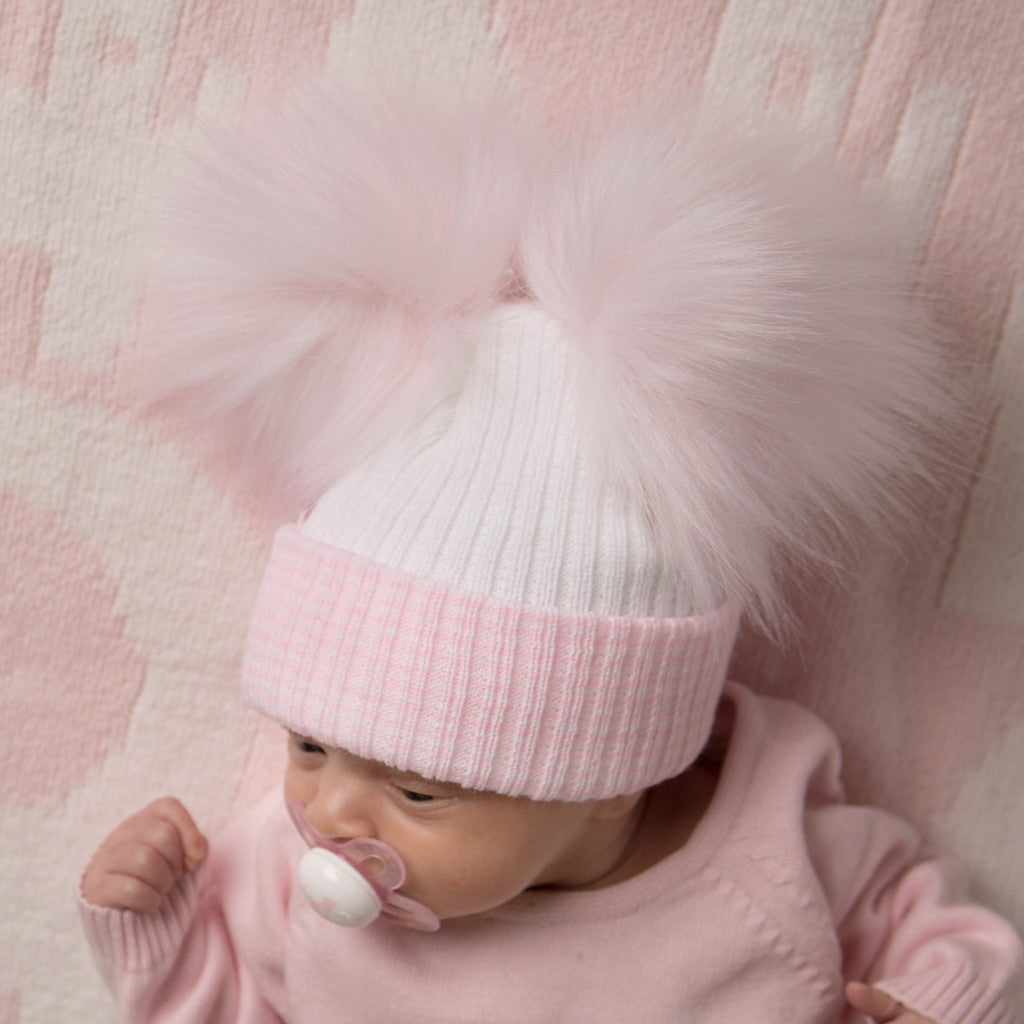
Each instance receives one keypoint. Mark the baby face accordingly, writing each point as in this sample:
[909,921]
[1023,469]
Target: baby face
[465,851]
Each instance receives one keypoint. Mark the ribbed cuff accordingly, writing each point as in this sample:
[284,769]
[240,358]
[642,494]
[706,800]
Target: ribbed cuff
[132,942]
[957,998]
[522,701]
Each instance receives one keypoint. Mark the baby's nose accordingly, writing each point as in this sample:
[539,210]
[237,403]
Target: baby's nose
[342,807]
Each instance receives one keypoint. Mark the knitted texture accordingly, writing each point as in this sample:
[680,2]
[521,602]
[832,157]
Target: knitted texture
[489,695]
[503,491]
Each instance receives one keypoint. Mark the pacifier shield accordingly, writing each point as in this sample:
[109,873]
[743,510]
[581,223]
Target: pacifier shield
[351,882]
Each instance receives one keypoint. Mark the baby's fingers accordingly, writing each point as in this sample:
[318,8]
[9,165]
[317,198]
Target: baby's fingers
[879,1006]
[182,844]
[141,887]
[143,857]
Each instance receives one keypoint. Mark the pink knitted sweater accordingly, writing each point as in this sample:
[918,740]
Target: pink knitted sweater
[782,892]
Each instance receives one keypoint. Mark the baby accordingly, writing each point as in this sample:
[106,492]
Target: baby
[559,418]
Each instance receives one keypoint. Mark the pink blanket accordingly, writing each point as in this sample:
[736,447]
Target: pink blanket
[128,566]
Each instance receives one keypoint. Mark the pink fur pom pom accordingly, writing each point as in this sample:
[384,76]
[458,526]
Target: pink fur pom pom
[757,372]
[320,261]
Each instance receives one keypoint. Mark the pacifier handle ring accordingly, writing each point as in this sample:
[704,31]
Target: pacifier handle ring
[302,823]
[361,852]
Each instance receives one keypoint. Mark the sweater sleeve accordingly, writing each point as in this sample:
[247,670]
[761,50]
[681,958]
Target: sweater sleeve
[213,953]
[905,921]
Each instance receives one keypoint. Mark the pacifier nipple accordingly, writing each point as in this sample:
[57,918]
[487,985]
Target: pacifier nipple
[352,882]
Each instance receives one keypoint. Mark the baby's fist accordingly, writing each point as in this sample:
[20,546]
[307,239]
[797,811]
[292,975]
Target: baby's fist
[880,1007]
[143,857]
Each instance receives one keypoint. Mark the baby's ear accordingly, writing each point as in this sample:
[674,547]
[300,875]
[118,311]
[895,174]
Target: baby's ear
[617,806]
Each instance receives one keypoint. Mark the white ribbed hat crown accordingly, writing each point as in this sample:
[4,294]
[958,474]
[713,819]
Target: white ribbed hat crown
[502,493]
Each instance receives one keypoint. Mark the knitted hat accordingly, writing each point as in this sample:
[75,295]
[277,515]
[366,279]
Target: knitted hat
[476,603]
[534,524]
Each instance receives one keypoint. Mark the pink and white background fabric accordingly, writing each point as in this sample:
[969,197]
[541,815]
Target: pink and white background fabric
[128,567]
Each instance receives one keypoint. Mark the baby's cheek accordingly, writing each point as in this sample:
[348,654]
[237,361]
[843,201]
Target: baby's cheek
[456,886]
[298,786]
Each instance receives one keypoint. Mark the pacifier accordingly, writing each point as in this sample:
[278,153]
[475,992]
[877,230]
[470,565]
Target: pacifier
[352,882]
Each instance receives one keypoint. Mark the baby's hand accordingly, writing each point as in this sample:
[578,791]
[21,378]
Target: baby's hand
[880,1007]
[143,857]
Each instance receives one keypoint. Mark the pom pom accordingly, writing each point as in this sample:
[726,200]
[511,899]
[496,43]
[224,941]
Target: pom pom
[757,375]
[754,364]
[320,263]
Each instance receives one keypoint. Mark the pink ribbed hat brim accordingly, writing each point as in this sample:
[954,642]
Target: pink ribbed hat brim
[491,696]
